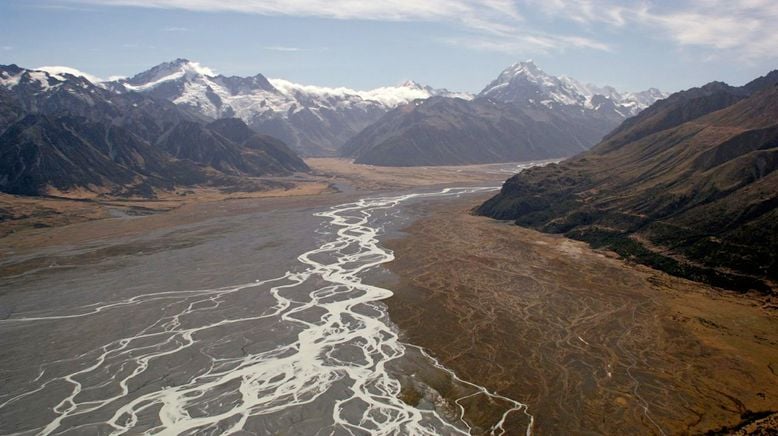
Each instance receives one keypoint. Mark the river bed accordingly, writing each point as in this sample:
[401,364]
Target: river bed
[255,323]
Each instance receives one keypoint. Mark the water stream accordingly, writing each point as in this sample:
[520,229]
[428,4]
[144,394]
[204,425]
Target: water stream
[319,367]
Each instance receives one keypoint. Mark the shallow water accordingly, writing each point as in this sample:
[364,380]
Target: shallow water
[257,323]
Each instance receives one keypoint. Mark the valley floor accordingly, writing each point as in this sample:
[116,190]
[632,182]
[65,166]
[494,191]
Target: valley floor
[590,343]
[33,216]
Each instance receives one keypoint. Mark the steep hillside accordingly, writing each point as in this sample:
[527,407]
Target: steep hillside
[445,131]
[60,132]
[688,186]
[230,147]
[40,153]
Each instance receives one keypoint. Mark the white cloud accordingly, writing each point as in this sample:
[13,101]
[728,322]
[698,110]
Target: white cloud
[743,29]
[746,29]
[584,11]
[523,43]
[175,29]
[59,71]
[401,10]
[6,47]
[491,24]
[283,48]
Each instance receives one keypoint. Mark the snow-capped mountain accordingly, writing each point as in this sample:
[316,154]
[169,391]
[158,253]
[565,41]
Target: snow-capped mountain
[311,119]
[524,114]
[60,132]
[525,82]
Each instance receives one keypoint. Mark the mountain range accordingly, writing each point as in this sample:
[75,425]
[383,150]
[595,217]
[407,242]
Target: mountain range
[688,186]
[312,120]
[559,114]
[62,129]
[524,114]
[61,132]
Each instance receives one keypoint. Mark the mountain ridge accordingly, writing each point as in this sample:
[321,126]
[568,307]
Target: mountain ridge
[61,132]
[525,81]
[688,186]
[524,114]
[313,120]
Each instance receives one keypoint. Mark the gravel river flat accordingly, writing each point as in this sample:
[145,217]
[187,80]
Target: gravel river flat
[385,308]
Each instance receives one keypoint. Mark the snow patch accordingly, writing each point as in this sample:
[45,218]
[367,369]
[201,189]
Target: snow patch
[9,80]
[60,72]
[523,78]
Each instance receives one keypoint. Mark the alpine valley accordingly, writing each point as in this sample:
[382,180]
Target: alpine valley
[187,253]
[63,129]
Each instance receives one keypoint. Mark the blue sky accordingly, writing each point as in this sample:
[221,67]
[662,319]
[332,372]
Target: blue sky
[456,44]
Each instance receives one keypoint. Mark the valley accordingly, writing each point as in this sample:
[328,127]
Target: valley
[295,238]
[215,305]
[541,332]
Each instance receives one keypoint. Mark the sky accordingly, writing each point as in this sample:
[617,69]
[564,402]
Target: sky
[456,44]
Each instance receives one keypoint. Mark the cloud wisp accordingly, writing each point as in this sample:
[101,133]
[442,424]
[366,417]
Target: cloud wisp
[740,29]
[488,24]
[283,48]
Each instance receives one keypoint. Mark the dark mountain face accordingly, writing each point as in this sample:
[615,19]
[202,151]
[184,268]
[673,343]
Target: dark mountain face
[443,131]
[524,114]
[65,153]
[675,110]
[230,147]
[10,109]
[233,129]
[688,186]
[40,92]
[446,131]
[66,133]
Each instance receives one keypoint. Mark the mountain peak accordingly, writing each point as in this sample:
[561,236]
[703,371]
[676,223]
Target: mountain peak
[188,66]
[526,83]
[411,84]
[176,69]
[525,68]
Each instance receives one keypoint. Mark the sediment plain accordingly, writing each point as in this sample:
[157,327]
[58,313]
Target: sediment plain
[593,344]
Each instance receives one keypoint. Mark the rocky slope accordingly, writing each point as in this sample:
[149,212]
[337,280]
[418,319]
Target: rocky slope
[312,120]
[688,186]
[60,132]
[524,114]
[446,131]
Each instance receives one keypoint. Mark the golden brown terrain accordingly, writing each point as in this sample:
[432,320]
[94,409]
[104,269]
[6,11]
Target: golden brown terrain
[593,345]
[370,177]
